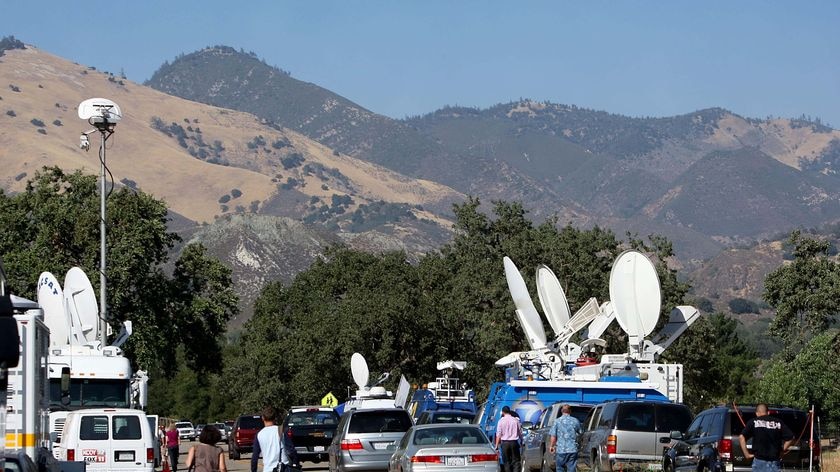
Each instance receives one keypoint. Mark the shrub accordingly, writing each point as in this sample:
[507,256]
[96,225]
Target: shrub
[20,176]
[14,88]
[281,143]
[742,305]
[57,122]
[11,113]
[224,199]
[37,122]
[128,183]
[236,193]
[255,205]
[42,131]
[292,160]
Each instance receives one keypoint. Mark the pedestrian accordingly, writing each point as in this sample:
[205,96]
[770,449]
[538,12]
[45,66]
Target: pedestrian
[173,440]
[564,433]
[509,437]
[206,456]
[278,452]
[771,438]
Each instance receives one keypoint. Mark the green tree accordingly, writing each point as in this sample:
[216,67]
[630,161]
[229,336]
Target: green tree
[54,225]
[805,293]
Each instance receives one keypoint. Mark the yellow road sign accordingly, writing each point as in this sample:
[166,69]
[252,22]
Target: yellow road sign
[329,400]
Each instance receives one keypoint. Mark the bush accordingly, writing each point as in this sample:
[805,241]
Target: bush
[281,143]
[57,122]
[37,122]
[11,113]
[292,160]
[224,199]
[705,305]
[742,305]
[42,131]
[20,176]
[14,88]
[236,193]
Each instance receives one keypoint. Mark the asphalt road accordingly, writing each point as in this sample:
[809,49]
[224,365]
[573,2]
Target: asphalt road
[242,465]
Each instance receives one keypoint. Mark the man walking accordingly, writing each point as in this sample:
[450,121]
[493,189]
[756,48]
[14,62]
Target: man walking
[770,439]
[509,435]
[564,434]
[278,453]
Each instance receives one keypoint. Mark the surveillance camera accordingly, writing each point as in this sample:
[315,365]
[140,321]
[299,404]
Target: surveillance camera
[84,142]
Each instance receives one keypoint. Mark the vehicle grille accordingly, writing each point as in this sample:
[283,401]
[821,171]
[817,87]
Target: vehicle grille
[58,427]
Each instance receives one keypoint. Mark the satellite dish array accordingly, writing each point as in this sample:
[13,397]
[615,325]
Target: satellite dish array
[635,303]
[72,314]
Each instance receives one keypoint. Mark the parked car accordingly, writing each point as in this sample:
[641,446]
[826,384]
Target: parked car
[222,430]
[186,430]
[629,434]
[450,446]
[311,429]
[241,438]
[534,451]
[198,429]
[712,441]
[108,439]
[365,439]
[446,416]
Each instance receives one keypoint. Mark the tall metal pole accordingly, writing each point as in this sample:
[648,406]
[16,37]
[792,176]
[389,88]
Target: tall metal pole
[103,309]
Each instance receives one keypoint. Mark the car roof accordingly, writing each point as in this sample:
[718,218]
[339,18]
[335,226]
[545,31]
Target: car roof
[450,412]
[446,425]
[296,409]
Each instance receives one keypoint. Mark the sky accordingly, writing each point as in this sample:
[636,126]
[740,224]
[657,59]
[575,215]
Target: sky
[403,58]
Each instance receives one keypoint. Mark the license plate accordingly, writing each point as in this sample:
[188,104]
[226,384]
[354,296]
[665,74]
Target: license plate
[125,456]
[317,448]
[381,446]
[456,461]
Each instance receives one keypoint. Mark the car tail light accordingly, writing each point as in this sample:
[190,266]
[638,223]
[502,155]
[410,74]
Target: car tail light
[71,455]
[612,444]
[289,433]
[725,449]
[150,455]
[427,459]
[484,458]
[351,445]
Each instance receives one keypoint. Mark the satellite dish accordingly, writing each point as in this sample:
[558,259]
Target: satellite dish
[100,109]
[553,299]
[51,300]
[635,294]
[81,304]
[359,368]
[525,310]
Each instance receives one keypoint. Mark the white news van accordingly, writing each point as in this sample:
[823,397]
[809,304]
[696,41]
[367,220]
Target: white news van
[108,439]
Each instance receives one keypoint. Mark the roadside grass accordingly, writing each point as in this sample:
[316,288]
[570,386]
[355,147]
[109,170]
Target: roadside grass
[830,461]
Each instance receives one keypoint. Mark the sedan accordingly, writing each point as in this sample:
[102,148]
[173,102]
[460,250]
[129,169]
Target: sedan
[431,447]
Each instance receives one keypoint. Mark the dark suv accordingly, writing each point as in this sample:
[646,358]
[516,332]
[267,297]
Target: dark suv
[311,429]
[243,434]
[712,441]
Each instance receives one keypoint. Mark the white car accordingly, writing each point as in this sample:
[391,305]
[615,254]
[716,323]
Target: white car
[222,430]
[186,430]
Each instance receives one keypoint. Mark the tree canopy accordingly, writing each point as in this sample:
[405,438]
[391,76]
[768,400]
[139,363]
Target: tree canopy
[54,225]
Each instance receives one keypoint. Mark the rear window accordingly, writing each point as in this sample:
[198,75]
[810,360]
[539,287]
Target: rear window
[126,427]
[449,435]
[379,422]
[465,418]
[312,417]
[672,418]
[94,428]
[636,417]
[183,425]
[797,421]
[251,422]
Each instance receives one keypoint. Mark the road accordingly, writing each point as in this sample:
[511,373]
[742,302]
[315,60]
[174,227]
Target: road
[242,465]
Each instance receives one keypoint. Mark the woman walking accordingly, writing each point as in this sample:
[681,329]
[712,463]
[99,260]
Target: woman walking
[173,440]
[206,456]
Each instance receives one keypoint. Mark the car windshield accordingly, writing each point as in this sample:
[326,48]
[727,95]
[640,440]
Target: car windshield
[251,422]
[183,425]
[379,422]
[313,417]
[797,421]
[454,435]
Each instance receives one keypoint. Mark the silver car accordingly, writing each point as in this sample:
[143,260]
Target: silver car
[438,447]
[365,439]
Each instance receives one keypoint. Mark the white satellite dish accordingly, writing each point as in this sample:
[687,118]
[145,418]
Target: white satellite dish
[359,368]
[553,299]
[635,294]
[525,310]
[100,110]
[82,306]
[51,300]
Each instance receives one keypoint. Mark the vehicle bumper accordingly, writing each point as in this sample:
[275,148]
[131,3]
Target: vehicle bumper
[348,466]
[313,456]
[623,463]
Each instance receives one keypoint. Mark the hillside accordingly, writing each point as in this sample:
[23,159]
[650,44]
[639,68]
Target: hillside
[210,164]
[668,175]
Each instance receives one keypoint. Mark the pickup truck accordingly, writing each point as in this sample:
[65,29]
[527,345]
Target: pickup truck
[311,429]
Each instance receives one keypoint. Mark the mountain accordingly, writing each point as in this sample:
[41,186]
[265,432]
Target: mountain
[213,166]
[705,179]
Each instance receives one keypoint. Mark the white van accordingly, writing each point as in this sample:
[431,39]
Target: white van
[108,439]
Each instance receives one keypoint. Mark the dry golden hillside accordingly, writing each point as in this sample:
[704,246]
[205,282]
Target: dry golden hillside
[219,150]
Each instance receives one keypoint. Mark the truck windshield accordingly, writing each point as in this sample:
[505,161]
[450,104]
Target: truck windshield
[85,393]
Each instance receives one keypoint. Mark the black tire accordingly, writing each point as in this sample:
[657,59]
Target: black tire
[544,467]
[667,467]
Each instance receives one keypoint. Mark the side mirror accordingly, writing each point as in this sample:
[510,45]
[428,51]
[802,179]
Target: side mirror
[528,425]
[676,435]
[65,386]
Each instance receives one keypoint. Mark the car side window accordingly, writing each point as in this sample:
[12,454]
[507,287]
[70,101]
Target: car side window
[607,414]
[716,425]
[591,419]
[705,428]
[94,428]
[694,428]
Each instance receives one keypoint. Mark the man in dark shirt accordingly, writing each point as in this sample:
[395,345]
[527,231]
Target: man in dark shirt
[771,438]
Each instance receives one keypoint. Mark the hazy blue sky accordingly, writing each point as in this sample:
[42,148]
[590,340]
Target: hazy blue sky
[399,58]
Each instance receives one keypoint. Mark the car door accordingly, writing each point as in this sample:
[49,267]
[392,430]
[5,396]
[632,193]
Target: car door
[697,440]
[681,447]
[128,442]
[95,442]
[670,417]
[586,447]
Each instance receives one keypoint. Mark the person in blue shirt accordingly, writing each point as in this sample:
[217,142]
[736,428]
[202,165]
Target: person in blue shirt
[564,434]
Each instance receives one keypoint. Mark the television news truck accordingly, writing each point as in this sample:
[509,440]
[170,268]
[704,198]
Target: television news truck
[9,356]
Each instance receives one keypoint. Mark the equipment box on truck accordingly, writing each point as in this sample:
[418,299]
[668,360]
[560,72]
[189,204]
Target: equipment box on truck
[108,439]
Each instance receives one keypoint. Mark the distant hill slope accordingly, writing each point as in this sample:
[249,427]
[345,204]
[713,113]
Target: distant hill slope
[669,175]
[214,167]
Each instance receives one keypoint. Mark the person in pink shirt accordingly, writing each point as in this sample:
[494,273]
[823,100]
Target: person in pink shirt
[509,436]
